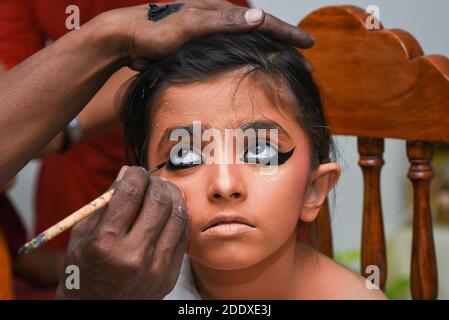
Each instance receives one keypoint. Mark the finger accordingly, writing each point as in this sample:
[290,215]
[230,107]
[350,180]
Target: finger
[125,203]
[153,215]
[196,22]
[85,226]
[239,19]
[286,33]
[120,176]
[175,228]
[172,243]
[176,262]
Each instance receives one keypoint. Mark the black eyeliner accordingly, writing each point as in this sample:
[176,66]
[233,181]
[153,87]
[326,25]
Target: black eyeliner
[284,156]
[173,167]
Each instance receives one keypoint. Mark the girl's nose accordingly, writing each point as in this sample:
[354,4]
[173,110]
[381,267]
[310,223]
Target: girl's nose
[226,183]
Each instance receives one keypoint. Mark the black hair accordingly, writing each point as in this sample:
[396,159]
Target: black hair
[211,56]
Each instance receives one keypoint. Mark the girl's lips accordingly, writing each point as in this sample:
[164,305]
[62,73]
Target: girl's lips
[228,229]
[230,219]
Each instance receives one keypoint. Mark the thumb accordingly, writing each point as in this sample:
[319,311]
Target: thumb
[254,16]
[238,19]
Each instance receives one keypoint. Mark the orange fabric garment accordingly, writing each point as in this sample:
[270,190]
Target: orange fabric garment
[5,270]
[12,236]
[5,258]
[66,181]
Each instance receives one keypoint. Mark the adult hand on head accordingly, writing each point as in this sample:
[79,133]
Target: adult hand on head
[134,248]
[143,40]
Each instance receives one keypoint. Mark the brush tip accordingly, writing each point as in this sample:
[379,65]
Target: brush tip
[33,244]
[158,167]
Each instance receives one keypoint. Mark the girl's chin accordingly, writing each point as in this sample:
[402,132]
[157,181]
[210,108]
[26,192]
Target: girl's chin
[227,260]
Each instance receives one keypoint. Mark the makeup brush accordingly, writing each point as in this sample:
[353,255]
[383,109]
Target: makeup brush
[74,218]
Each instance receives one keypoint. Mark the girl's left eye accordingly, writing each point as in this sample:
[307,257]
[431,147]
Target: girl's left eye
[183,157]
[260,153]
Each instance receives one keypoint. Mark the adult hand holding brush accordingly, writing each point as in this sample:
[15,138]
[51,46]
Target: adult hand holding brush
[134,248]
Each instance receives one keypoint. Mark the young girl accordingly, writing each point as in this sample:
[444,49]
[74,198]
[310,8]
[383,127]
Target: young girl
[243,224]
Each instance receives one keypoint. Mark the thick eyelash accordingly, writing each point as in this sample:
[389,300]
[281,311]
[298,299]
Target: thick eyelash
[284,156]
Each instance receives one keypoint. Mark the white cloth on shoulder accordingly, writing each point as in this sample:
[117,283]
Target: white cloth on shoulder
[185,288]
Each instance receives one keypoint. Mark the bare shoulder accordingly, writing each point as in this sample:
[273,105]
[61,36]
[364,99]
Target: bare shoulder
[323,278]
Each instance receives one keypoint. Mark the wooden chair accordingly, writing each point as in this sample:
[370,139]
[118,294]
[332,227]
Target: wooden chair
[378,84]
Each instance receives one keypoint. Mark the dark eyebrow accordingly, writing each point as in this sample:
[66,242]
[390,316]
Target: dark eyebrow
[264,124]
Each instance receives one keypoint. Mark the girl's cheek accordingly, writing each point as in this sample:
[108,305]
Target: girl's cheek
[195,196]
[283,194]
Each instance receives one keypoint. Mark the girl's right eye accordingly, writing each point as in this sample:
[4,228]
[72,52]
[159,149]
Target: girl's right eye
[183,157]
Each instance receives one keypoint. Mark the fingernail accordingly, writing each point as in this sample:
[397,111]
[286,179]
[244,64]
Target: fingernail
[121,173]
[254,15]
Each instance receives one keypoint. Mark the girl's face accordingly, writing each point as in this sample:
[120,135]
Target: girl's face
[238,216]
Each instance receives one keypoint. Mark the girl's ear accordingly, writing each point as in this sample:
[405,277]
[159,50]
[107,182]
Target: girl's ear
[321,183]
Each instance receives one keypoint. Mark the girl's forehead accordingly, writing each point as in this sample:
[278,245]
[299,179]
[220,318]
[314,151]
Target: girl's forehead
[225,102]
